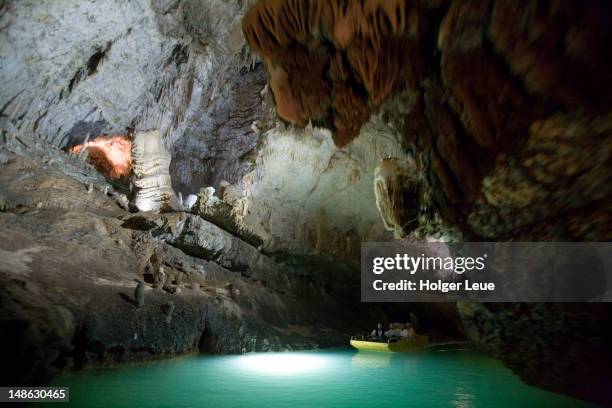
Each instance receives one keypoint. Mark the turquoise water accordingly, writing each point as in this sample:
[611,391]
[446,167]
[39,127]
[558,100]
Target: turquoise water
[438,377]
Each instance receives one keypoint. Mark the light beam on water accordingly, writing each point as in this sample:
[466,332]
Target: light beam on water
[283,363]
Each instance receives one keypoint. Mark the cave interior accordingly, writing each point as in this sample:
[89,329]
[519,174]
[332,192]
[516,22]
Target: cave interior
[199,176]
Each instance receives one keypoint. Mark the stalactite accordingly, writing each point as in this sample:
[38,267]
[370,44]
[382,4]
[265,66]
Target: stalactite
[321,53]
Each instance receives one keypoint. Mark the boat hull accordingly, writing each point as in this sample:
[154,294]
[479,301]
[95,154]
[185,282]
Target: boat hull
[392,347]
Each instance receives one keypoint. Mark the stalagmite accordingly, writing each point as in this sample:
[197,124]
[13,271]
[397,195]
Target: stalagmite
[152,190]
[190,201]
[121,200]
[139,294]
[168,309]
[160,279]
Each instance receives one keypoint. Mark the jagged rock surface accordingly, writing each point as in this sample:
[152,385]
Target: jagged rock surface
[537,154]
[184,68]
[229,215]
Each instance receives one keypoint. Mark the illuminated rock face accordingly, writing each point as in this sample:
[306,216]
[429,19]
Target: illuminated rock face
[152,189]
[110,155]
[258,303]
[304,194]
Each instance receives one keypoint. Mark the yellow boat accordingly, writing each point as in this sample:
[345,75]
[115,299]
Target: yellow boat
[403,345]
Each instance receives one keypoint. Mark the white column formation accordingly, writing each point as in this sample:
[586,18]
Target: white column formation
[151,185]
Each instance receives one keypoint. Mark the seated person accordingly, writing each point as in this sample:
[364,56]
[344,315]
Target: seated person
[408,332]
[394,331]
[378,333]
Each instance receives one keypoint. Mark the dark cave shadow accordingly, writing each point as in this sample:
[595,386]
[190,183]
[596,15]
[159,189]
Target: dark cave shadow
[127,298]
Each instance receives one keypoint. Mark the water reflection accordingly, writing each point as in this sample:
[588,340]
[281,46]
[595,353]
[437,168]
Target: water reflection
[464,398]
[371,359]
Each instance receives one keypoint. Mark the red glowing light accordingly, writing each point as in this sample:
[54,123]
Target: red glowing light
[110,155]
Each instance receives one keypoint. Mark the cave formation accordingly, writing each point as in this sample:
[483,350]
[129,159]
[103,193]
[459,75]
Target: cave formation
[332,61]
[337,62]
[229,158]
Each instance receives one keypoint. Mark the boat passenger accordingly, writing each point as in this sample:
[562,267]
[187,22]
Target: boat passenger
[409,332]
[394,330]
[414,321]
[378,333]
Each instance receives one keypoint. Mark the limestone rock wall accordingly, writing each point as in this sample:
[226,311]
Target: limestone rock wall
[558,346]
[304,194]
[71,71]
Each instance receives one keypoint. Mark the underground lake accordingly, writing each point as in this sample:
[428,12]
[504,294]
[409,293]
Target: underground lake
[443,376]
